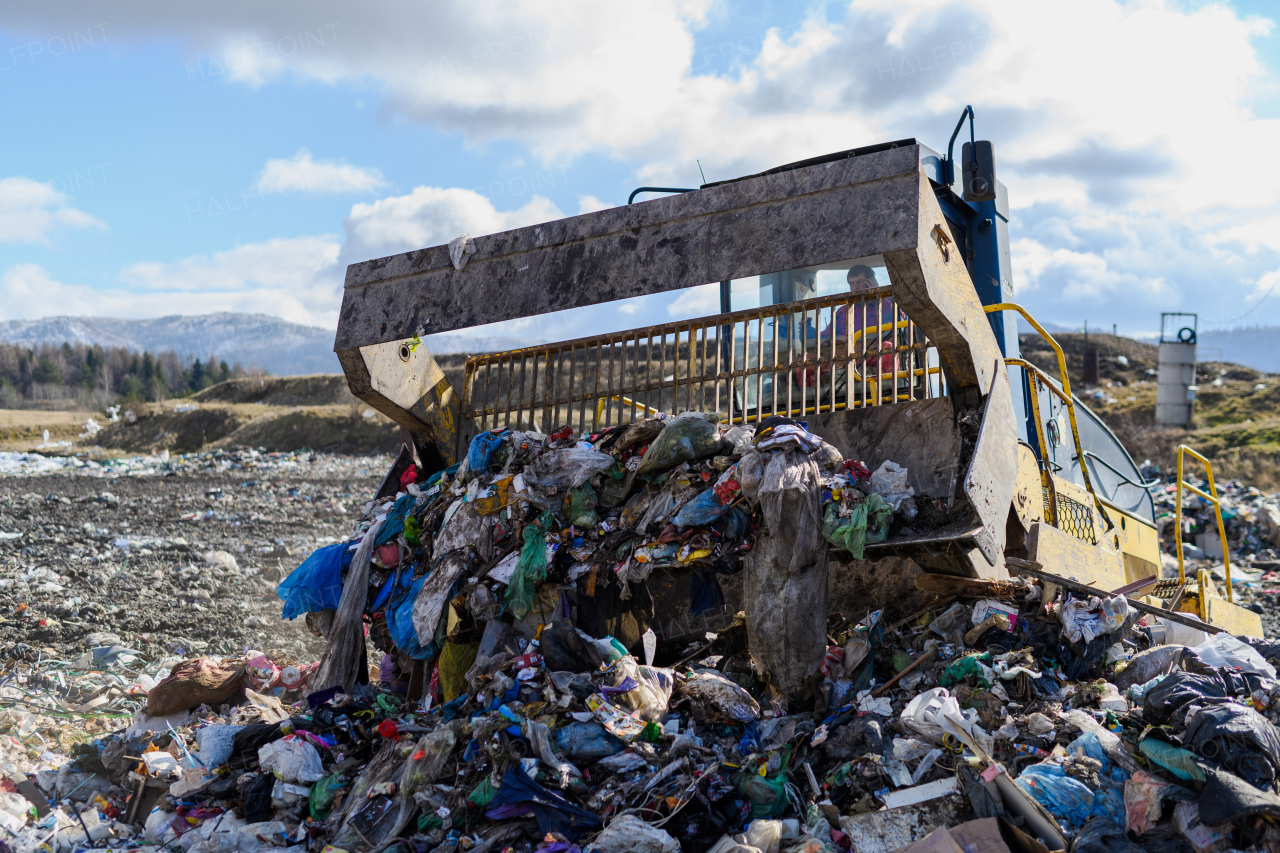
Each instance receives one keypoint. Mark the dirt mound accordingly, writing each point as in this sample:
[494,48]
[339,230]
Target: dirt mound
[330,429]
[323,389]
[179,432]
[335,429]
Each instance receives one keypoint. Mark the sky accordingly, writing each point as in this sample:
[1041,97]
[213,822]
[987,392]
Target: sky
[185,158]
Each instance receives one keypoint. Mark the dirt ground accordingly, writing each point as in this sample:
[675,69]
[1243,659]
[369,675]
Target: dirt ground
[21,429]
[131,557]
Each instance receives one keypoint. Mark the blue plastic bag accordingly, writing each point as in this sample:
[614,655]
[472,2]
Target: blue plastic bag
[1065,798]
[394,525]
[400,617]
[703,509]
[480,453]
[317,583]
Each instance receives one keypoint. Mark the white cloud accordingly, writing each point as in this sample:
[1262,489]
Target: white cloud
[273,264]
[293,279]
[432,216]
[695,302]
[30,211]
[302,174]
[590,204]
[1121,205]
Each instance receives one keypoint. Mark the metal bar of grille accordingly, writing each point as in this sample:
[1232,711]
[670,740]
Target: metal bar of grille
[828,371]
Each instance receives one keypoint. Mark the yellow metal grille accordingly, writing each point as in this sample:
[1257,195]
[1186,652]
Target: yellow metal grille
[1073,517]
[817,355]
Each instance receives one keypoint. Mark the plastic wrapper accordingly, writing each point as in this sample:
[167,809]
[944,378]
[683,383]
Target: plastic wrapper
[566,468]
[587,742]
[292,759]
[630,834]
[429,606]
[640,433]
[889,481]
[1225,650]
[652,691]
[686,437]
[675,493]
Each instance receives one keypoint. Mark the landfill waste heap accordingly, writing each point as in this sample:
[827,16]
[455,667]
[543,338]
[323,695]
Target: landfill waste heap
[516,704]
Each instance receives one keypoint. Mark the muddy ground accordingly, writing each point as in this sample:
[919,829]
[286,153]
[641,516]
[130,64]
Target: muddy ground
[131,559]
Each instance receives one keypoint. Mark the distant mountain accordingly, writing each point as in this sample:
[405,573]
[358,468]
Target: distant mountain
[1253,346]
[254,340]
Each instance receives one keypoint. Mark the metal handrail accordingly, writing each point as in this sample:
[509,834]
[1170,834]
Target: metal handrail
[639,190]
[1183,450]
[1066,396]
[626,401]
[1143,485]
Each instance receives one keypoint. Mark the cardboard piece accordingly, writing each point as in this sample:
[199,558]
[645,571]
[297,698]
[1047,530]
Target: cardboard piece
[938,841]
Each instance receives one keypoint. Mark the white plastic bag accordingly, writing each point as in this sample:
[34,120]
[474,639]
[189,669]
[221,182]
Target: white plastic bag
[629,834]
[889,481]
[932,715]
[293,758]
[1225,650]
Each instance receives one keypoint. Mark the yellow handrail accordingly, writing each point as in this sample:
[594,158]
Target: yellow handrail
[626,401]
[1183,450]
[1065,396]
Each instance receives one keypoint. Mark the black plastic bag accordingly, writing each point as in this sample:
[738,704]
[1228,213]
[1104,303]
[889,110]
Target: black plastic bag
[1179,689]
[257,798]
[564,650]
[1226,797]
[1238,739]
[554,813]
[1103,835]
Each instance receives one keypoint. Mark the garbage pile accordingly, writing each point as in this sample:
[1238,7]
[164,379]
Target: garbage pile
[1250,517]
[491,681]
[1251,521]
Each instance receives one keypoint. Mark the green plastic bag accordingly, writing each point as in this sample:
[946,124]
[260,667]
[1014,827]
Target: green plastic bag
[685,438]
[323,794]
[768,796]
[483,794]
[580,507]
[530,568]
[413,531]
[879,514]
[964,667]
[867,524]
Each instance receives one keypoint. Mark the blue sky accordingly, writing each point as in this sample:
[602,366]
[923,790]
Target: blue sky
[188,158]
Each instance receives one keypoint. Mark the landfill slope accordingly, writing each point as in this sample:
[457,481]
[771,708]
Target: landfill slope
[1235,421]
[84,552]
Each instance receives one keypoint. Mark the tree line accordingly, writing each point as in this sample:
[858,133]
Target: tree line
[97,375]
